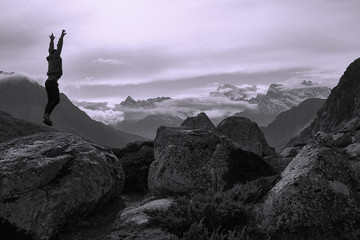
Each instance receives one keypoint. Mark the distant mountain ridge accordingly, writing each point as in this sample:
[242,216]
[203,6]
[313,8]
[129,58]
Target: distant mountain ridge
[131,103]
[289,123]
[26,99]
[278,98]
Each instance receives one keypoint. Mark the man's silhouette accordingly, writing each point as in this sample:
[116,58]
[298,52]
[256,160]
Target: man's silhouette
[54,73]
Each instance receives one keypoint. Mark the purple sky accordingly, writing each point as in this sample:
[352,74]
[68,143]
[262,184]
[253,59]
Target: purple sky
[150,48]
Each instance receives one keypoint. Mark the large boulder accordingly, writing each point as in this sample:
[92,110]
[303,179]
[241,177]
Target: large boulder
[201,121]
[247,134]
[188,160]
[317,197]
[49,180]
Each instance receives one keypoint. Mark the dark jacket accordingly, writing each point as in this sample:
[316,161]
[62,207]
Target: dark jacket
[54,60]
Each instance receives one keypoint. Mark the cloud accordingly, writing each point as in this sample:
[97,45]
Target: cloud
[97,106]
[197,86]
[115,62]
[109,117]
[213,106]
[136,46]
[19,76]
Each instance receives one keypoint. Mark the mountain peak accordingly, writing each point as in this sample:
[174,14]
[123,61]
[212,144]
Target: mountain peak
[131,103]
[307,83]
[15,78]
[129,99]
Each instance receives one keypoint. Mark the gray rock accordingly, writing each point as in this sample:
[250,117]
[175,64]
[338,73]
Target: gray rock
[49,180]
[188,160]
[342,140]
[201,121]
[353,150]
[137,215]
[290,152]
[317,198]
[247,134]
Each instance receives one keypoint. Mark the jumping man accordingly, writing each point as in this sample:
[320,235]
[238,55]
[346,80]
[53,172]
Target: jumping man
[54,73]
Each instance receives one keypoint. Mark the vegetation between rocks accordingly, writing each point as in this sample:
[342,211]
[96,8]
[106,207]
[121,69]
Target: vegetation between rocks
[215,215]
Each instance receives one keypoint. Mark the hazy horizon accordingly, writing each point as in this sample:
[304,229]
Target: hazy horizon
[179,49]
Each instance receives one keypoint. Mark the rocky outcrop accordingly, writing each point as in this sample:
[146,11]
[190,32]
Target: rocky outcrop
[247,134]
[201,121]
[343,104]
[317,197]
[341,111]
[188,160]
[342,140]
[49,180]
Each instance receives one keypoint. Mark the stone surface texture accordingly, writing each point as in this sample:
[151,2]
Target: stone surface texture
[49,180]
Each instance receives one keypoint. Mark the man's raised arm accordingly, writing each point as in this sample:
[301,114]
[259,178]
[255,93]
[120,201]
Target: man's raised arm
[60,43]
[51,45]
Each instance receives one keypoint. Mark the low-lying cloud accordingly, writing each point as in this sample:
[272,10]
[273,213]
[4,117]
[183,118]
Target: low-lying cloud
[214,107]
[109,117]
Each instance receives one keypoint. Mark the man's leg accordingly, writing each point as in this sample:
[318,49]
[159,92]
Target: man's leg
[53,94]
[54,97]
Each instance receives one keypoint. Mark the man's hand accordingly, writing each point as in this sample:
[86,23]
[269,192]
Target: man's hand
[52,37]
[63,33]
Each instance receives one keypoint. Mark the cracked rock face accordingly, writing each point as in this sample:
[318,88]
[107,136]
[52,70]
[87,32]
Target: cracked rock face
[188,160]
[247,134]
[48,180]
[318,195]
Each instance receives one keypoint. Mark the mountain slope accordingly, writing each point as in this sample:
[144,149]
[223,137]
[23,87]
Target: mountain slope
[26,100]
[287,124]
[12,127]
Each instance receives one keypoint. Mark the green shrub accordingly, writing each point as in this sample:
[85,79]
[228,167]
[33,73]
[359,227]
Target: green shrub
[245,166]
[215,215]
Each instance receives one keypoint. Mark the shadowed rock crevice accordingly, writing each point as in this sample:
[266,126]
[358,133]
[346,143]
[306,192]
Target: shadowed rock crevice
[9,231]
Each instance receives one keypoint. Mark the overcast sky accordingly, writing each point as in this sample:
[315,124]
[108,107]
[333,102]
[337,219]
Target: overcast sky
[178,48]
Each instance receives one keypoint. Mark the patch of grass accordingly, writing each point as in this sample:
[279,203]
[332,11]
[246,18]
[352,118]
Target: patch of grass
[215,215]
